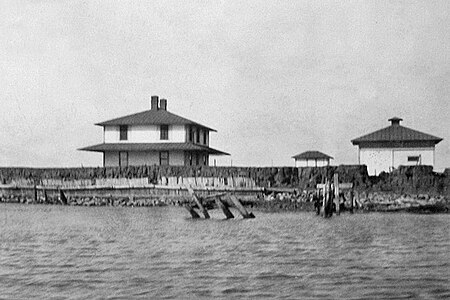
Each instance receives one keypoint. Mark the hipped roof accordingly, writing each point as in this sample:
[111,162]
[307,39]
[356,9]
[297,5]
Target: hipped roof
[312,155]
[152,117]
[396,133]
[152,147]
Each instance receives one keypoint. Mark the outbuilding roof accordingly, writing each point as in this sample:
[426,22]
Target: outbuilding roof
[152,147]
[396,133]
[312,155]
[152,117]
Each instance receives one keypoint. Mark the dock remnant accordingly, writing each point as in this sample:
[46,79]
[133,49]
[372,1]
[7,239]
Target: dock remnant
[199,203]
[192,211]
[224,208]
[223,204]
[331,196]
[62,198]
[240,207]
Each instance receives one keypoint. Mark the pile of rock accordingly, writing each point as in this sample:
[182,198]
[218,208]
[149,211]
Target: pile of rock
[391,202]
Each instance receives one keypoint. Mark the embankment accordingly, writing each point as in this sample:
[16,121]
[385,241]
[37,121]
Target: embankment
[284,188]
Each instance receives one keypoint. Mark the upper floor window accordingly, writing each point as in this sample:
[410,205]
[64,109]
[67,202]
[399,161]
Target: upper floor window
[164,132]
[198,136]
[205,137]
[123,132]
[191,134]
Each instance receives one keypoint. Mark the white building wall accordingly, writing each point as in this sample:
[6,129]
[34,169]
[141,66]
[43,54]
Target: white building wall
[176,158]
[383,159]
[145,134]
[111,159]
[111,134]
[135,158]
[426,157]
[143,158]
[376,160]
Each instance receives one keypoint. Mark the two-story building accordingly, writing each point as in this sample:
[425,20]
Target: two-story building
[154,137]
[395,145]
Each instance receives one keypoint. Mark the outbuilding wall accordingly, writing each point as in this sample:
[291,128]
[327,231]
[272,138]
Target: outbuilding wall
[384,159]
[311,163]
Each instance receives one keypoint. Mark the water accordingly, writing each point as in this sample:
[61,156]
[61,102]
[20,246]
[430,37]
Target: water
[57,252]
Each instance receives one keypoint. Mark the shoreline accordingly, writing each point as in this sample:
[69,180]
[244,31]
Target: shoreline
[420,204]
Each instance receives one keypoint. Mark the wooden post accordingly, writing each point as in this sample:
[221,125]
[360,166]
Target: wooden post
[62,198]
[328,203]
[192,211]
[324,200]
[199,203]
[240,207]
[35,194]
[351,201]
[336,193]
[224,208]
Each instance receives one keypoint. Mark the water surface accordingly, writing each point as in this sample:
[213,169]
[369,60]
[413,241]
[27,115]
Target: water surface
[68,252]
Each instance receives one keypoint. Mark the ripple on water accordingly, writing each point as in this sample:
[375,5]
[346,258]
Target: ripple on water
[116,253]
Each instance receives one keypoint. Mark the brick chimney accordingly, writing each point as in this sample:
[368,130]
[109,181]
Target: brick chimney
[395,121]
[154,103]
[163,104]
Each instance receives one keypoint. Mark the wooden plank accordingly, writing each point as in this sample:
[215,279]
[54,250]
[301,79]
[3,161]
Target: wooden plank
[224,208]
[342,186]
[199,203]
[240,207]
[214,196]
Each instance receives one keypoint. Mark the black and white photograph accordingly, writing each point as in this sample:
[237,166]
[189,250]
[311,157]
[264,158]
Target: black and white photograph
[224,149]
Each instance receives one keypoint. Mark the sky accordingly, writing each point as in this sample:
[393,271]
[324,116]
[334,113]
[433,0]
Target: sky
[274,78]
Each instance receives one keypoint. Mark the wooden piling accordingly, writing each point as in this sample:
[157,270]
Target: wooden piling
[35,194]
[351,201]
[240,207]
[224,208]
[330,200]
[324,200]
[336,193]
[192,211]
[62,198]
[199,203]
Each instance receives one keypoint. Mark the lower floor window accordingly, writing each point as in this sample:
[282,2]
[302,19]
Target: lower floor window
[164,158]
[123,159]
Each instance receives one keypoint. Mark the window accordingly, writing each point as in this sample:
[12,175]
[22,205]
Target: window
[205,160]
[191,134]
[123,159]
[123,132]
[414,159]
[198,136]
[164,129]
[205,137]
[164,158]
[197,159]
[190,159]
